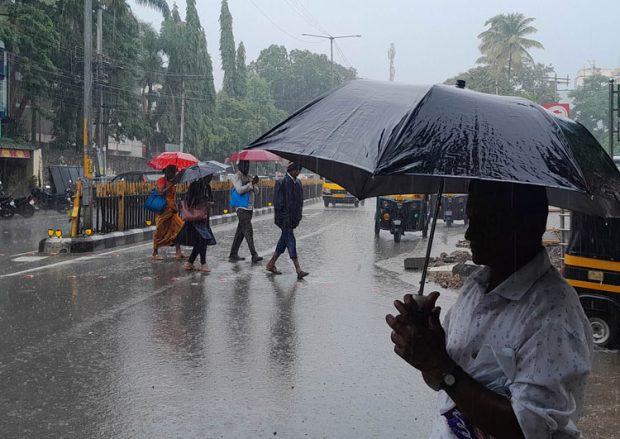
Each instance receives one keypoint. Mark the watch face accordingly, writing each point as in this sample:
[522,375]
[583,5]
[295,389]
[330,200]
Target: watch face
[449,380]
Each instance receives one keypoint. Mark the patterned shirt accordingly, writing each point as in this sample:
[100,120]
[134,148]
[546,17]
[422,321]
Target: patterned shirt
[528,339]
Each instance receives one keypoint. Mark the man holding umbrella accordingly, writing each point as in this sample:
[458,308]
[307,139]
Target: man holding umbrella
[513,354]
[244,184]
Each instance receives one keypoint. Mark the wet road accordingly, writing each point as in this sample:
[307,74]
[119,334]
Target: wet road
[113,345]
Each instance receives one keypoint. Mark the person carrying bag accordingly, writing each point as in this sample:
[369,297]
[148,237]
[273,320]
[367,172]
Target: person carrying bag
[197,231]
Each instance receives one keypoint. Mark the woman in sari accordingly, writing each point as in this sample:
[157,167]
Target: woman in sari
[168,224]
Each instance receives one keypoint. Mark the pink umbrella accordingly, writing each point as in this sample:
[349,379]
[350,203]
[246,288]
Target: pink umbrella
[254,155]
[181,160]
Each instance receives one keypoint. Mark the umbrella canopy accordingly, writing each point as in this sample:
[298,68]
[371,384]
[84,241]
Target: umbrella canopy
[221,165]
[378,138]
[197,172]
[179,159]
[255,155]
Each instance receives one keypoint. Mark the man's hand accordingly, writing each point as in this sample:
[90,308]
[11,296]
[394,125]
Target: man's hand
[255,179]
[419,338]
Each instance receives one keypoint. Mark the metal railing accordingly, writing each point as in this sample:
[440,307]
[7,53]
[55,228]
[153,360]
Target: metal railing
[119,206]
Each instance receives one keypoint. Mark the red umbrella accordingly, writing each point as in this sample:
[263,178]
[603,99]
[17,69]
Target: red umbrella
[255,155]
[181,160]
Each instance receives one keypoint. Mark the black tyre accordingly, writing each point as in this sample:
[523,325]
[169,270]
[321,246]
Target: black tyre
[397,235]
[425,232]
[604,329]
[6,214]
[377,228]
[449,223]
[326,203]
[26,211]
[356,204]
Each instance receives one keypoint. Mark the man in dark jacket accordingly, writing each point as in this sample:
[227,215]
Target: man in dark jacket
[288,205]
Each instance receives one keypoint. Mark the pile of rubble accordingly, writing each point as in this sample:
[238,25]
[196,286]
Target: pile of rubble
[456,270]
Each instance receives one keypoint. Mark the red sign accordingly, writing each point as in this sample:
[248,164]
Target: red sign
[558,109]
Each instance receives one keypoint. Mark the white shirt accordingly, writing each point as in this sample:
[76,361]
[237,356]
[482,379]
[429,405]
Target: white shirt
[528,339]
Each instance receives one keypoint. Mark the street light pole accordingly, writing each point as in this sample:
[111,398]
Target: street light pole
[331,47]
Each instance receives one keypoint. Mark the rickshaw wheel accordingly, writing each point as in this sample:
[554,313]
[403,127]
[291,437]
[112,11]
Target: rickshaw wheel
[603,330]
[425,232]
[397,235]
[377,228]
[326,203]
[357,204]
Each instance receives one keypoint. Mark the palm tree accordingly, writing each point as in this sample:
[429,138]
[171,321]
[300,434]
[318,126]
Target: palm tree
[504,43]
[159,5]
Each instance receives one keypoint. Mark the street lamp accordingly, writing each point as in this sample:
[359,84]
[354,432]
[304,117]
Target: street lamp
[331,46]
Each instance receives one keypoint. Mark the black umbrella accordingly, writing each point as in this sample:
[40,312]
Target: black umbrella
[198,171]
[378,138]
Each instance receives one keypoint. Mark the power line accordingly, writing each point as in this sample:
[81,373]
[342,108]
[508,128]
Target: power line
[278,26]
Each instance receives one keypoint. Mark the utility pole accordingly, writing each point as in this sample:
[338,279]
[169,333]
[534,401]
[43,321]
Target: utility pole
[391,57]
[101,153]
[331,48]
[88,80]
[182,114]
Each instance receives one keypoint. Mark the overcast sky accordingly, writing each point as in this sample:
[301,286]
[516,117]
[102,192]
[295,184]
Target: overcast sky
[435,39]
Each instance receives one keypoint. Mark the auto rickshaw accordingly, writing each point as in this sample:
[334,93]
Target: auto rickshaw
[334,194]
[592,267]
[452,208]
[402,213]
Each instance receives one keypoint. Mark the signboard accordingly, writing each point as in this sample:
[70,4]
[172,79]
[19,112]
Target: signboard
[14,153]
[562,110]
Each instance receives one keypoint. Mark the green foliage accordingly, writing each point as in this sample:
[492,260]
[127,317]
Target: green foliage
[591,106]
[227,49]
[300,76]
[241,73]
[33,40]
[146,75]
[504,44]
[239,121]
[529,81]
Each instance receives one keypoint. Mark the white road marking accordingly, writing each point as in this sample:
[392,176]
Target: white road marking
[219,227]
[29,258]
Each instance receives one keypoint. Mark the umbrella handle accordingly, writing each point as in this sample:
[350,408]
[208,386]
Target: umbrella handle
[430,239]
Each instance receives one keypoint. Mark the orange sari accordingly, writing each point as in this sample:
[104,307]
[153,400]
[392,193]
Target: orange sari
[168,224]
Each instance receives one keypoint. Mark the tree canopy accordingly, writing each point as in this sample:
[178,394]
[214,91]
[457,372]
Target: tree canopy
[145,77]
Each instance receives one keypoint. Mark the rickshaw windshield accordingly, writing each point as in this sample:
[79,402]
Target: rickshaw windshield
[595,237]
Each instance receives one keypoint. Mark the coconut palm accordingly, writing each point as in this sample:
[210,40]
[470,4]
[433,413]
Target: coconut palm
[504,43]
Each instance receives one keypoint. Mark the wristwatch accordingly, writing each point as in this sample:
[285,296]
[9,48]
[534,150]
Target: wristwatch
[449,379]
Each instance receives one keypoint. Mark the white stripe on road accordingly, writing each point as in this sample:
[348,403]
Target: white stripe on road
[148,244]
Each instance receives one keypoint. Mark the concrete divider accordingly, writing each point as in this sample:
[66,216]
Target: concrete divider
[89,244]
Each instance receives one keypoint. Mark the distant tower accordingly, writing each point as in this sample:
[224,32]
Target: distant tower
[391,56]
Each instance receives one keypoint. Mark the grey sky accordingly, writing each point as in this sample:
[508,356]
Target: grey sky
[434,39]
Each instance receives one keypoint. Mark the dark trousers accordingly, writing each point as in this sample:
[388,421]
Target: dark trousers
[287,242]
[244,230]
[200,248]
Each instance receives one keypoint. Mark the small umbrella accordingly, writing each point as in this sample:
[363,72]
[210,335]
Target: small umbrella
[222,166]
[377,138]
[197,172]
[179,159]
[255,155]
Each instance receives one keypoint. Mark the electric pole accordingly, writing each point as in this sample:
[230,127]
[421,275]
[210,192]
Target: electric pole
[331,47]
[88,80]
[182,114]
[391,56]
[101,153]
